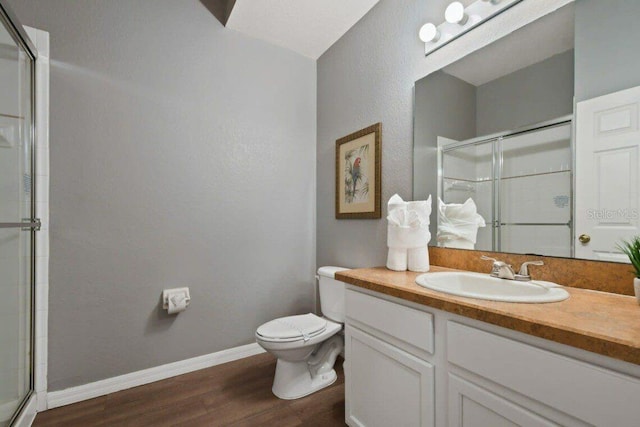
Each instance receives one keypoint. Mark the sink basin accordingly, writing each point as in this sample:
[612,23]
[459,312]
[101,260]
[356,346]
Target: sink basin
[483,286]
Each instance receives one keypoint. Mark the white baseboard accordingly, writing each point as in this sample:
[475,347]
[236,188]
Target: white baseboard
[28,414]
[146,376]
[41,400]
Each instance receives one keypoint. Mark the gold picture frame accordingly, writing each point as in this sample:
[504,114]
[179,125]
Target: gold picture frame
[359,174]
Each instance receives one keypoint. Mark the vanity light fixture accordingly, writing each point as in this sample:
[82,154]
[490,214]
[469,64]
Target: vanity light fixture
[459,20]
[455,14]
[429,33]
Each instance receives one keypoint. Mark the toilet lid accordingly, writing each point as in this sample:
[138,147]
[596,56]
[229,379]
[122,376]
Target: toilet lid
[303,326]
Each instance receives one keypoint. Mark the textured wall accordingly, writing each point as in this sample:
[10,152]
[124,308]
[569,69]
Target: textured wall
[368,77]
[182,154]
[445,106]
[607,58]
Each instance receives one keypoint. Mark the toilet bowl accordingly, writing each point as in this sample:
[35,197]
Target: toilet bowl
[307,345]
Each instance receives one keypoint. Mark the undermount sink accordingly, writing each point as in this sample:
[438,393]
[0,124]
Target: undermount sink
[483,286]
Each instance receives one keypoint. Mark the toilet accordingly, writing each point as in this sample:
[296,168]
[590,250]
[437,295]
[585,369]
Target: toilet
[307,345]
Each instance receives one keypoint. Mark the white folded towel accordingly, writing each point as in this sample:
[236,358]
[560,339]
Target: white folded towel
[458,244]
[458,224]
[408,234]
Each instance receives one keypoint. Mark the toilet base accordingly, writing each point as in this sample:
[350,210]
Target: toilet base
[293,380]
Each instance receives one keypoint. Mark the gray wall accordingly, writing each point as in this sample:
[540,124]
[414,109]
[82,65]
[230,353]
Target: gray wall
[364,78]
[542,91]
[445,106]
[182,154]
[606,45]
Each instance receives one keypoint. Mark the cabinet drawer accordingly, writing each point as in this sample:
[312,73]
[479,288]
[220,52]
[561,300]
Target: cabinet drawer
[406,324]
[587,392]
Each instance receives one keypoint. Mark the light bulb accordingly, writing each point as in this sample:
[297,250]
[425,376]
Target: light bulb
[429,33]
[454,14]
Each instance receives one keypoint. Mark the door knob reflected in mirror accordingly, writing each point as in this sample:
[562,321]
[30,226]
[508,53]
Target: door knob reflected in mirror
[584,238]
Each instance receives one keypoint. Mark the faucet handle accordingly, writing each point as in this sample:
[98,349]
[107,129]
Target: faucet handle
[497,265]
[524,268]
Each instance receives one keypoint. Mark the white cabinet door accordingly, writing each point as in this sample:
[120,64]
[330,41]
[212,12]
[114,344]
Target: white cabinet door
[474,406]
[607,163]
[591,395]
[386,386]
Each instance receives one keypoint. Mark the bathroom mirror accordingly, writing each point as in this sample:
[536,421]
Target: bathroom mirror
[498,140]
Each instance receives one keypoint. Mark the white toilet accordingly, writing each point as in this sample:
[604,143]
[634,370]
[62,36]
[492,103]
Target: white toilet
[307,345]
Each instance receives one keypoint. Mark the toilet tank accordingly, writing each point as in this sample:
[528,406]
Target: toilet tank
[331,293]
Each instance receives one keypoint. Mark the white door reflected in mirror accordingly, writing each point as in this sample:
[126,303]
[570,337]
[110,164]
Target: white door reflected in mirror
[607,161]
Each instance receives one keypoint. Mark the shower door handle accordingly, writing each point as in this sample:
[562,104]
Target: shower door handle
[26,224]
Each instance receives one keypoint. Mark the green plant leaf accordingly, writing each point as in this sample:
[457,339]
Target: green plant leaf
[631,248]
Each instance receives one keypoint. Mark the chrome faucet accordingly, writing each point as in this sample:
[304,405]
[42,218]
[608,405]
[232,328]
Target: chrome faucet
[502,270]
[523,274]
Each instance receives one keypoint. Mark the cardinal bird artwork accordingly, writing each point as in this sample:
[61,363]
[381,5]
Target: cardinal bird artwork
[356,182]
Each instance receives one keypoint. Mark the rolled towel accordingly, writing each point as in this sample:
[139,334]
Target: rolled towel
[418,259]
[397,259]
[458,224]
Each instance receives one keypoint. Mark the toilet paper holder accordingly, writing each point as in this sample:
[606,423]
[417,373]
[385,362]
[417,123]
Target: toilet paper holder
[176,300]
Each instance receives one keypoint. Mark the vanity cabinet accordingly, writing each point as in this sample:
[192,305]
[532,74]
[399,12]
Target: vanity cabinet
[413,365]
[589,394]
[387,386]
[470,405]
[386,380]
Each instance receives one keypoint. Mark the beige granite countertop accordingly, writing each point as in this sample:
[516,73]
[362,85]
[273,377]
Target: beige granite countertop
[600,322]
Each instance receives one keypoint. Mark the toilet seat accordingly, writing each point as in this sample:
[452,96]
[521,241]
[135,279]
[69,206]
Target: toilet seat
[292,328]
[307,345]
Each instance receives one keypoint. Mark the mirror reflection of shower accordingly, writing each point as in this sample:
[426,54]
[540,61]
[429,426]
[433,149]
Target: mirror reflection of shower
[518,183]
[458,223]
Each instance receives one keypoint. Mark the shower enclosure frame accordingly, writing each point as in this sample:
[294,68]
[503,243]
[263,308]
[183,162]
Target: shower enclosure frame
[19,34]
[497,163]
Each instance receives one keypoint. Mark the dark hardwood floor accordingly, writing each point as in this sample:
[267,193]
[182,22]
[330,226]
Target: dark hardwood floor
[234,394]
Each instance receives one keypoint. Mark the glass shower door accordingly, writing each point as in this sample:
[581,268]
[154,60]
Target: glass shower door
[535,192]
[467,173]
[522,185]
[16,223]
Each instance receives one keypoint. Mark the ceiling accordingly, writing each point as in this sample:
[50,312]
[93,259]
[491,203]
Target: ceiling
[542,39]
[308,27]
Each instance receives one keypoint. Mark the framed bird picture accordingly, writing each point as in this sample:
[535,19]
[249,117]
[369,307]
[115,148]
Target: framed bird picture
[358,174]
